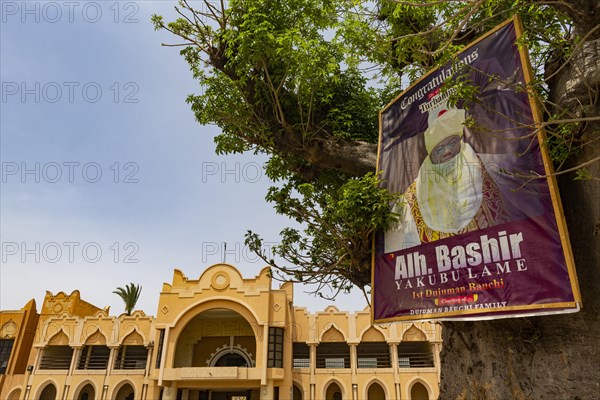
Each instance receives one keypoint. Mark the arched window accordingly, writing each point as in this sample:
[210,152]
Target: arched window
[375,392]
[86,393]
[49,392]
[126,392]
[333,392]
[296,393]
[419,392]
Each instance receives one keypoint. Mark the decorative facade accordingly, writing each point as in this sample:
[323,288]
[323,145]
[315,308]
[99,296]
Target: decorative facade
[220,337]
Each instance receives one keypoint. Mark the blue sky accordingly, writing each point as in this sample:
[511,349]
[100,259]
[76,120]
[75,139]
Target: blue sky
[106,176]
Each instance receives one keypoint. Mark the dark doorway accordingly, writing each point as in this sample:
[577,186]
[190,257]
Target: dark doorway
[238,395]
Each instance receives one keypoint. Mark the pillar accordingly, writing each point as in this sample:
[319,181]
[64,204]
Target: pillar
[398,391]
[74,358]
[170,392]
[165,346]
[111,360]
[148,361]
[353,359]
[266,391]
[354,370]
[436,359]
[104,394]
[396,369]
[313,358]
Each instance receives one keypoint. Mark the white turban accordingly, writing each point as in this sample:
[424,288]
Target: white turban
[445,124]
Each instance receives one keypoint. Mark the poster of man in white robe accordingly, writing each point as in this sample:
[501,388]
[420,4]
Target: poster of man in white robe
[477,236]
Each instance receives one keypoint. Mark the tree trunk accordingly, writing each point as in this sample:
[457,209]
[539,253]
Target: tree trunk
[551,357]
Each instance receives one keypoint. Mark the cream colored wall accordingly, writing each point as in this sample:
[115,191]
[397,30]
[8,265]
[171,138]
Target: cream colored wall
[184,299]
[20,326]
[260,306]
[318,327]
[97,328]
[222,286]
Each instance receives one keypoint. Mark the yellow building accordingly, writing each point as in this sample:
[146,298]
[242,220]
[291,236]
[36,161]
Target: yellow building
[220,337]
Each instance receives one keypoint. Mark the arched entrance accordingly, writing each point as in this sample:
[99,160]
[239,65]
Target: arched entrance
[296,393]
[333,392]
[49,392]
[86,393]
[419,392]
[218,337]
[375,392]
[126,392]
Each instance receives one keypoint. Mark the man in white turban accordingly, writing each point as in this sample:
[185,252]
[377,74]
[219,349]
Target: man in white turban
[453,193]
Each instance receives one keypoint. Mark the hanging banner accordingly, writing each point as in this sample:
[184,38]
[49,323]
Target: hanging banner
[481,232]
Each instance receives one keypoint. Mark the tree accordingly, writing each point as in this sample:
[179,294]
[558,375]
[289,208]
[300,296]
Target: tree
[130,295]
[302,81]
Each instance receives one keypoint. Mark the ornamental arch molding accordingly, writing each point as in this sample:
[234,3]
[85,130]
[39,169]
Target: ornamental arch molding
[8,330]
[377,382]
[332,330]
[228,303]
[226,350]
[15,394]
[241,307]
[373,331]
[216,335]
[134,337]
[120,386]
[96,338]
[414,381]
[60,338]
[414,334]
[42,390]
[339,384]
[82,386]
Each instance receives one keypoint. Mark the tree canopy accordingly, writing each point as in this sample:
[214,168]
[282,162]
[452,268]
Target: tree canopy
[303,81]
